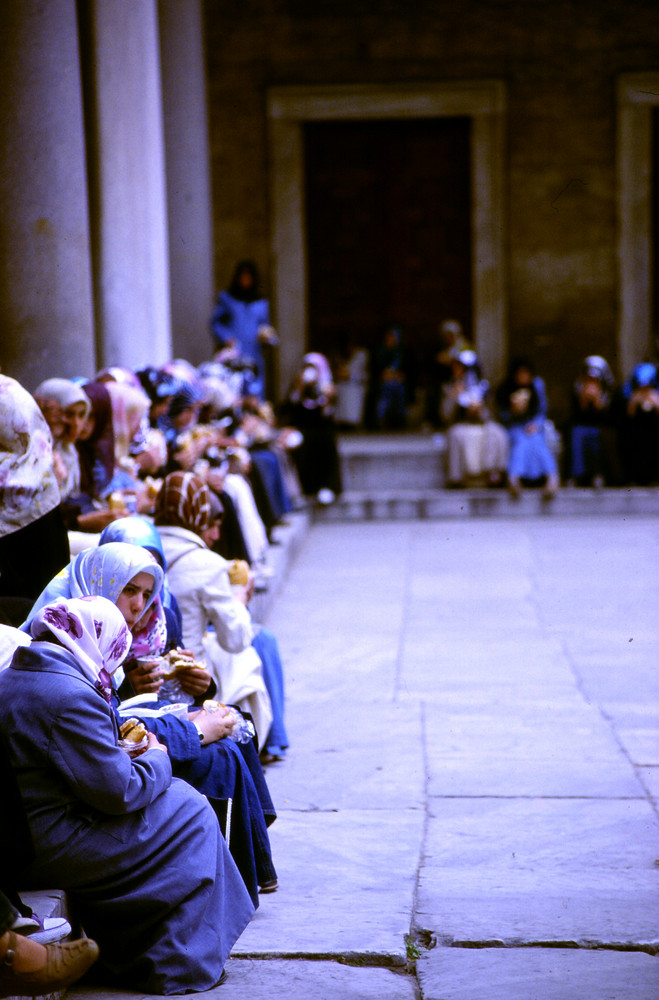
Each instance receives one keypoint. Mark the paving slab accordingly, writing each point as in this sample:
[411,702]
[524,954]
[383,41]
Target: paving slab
[346,885]
[248,979]
[540,870]
[537,974]
[355,771]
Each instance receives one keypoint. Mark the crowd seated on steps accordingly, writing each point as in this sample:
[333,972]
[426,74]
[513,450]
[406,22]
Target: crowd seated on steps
[504,435]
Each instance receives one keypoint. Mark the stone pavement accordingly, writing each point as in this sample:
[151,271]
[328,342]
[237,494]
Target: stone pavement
[469,810]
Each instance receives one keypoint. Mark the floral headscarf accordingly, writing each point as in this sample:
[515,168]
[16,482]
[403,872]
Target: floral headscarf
[184,502]
[28,487]
[93,629]
[105,571]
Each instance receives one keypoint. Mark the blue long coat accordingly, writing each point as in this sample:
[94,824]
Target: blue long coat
[140,852]
[240,321]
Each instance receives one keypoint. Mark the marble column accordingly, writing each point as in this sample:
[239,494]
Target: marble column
[187,158]
[46,311]
[127,167]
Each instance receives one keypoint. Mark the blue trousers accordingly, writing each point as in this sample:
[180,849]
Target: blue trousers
[266,646]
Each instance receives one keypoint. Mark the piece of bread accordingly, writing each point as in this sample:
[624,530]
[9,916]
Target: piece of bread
[212,706]
[239,572]
[176,661]
[116,502]
[132,730]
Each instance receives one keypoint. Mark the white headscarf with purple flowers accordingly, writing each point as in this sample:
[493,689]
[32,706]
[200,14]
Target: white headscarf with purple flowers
[93,629]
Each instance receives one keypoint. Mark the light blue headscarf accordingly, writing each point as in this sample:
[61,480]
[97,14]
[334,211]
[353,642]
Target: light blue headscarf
[103,571]
[137,530]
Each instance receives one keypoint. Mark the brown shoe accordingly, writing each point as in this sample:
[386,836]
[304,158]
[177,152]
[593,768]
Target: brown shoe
[64,964]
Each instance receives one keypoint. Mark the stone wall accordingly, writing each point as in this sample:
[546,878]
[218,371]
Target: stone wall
[559,62]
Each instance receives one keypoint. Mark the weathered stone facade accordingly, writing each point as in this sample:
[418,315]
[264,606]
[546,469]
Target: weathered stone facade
[560,65]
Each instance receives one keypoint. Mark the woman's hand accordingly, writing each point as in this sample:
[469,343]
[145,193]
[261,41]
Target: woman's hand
[194,680]
[154,743]
[96,520]
[213,726]
[145,676]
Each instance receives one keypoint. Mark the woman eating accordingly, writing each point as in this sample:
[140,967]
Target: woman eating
[140,852]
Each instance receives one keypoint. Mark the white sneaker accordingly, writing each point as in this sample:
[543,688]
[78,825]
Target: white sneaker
[44,931]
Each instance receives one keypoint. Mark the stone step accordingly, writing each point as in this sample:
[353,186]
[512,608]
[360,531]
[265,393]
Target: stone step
[411,504]
[389,461]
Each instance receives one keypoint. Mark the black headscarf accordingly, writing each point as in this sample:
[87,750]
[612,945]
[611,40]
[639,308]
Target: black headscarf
[236,290]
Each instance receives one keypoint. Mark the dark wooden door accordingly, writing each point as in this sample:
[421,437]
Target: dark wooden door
[388,230]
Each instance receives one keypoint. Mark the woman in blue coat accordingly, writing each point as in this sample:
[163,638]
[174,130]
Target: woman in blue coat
[140,852]
[129,576]
[241,320]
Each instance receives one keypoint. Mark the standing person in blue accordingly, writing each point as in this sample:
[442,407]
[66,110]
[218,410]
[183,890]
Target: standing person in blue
[241,320]
[140,852]
[522,403]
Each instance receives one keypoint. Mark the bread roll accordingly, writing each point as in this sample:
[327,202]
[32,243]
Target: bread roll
[239,572]
[132,730]
[177,661]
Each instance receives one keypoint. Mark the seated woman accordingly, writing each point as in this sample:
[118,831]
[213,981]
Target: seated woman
[33,539]
[130,577]
[639,425]
[522,402]
[199,580]
[140,852]
[65,407]
[592,438]
[477,446]
[267,648]
[310,410]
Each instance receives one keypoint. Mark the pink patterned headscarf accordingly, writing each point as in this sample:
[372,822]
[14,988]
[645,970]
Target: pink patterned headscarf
[93,629]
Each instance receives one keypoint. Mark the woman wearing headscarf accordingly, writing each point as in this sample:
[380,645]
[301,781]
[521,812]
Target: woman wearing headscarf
[66,406]
[639,425]
[591,438]
[241,319]
[96,442]
[74,425]
[522,402]
[310,409]
[139,851]
[130,577]
[199,579]
[476,445]
[33,540]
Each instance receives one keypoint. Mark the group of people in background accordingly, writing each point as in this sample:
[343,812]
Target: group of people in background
[504,435]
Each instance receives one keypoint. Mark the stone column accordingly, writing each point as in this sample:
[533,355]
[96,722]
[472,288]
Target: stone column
[187,157]
[45,280]
[127,164]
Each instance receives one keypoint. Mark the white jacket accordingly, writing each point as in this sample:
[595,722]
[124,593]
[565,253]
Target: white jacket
[199,580]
